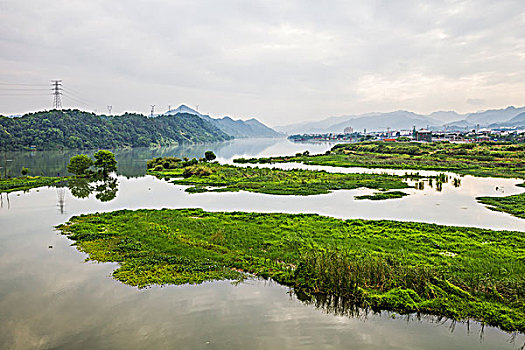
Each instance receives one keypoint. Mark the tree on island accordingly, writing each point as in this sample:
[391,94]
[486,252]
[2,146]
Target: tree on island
[79,164]
[105,161]
[209,155]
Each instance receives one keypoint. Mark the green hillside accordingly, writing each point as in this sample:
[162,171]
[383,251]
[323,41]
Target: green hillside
[77,129]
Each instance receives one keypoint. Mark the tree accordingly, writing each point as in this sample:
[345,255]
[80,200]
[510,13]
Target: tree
[105,161]
[209,155]
[79,164]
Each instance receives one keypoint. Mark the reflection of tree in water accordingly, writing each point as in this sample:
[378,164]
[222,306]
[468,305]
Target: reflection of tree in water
[105,189]
[80,188]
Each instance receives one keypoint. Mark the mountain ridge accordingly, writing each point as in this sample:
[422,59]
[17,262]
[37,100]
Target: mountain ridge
[402,119]
[233,127]
[75,129]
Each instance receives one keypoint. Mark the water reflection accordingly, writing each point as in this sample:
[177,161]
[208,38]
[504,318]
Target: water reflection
[132,162]
[6,200]
[344,307]
[105,189]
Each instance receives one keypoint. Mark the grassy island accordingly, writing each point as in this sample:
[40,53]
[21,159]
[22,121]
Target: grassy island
[24,183]
[477,159]
[514,205]
[457,272]
[383,195]
[205,176]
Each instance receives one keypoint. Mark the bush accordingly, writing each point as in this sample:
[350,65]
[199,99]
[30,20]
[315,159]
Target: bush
[209,155]
[25,171]
[79,164]
[197,171]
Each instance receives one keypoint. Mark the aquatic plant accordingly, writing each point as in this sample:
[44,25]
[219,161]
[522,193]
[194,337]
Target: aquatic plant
[383,195]
[271,181]
[514,205]
[457,272]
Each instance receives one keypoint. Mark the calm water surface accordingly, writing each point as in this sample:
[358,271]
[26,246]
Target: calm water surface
[51,298]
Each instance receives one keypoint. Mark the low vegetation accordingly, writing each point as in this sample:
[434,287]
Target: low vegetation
[383,195]
[514,205]
[203,176]
[24,183]
[478,159]
[457,272]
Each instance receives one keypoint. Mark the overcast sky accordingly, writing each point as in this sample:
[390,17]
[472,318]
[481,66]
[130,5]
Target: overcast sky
[278,61]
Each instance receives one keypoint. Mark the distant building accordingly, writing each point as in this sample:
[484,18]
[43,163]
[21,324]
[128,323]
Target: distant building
[424,135]
[348,130]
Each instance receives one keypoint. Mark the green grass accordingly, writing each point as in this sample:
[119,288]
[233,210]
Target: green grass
[204,177]
[383,195]
[25,183]
[477,159]
[457,272]
[514,205]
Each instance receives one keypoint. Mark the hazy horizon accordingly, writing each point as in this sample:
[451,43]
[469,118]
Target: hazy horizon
[281,63]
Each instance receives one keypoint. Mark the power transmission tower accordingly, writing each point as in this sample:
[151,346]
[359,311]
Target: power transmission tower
[169,108]
[197,107]
[152,110]
[57,92]
[109,109]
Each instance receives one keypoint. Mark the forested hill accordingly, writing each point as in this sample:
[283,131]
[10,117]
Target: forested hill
[76,129]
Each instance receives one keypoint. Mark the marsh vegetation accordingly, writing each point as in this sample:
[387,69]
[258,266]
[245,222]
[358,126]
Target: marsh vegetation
[203,176]
[457,272]
[478,159]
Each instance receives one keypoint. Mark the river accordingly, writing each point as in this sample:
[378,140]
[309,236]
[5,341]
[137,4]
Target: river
[51,298]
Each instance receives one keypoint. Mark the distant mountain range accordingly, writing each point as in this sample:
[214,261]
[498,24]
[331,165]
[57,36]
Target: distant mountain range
[235,128]
[451,120]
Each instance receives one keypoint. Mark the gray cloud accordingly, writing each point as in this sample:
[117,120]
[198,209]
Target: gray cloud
[277,61]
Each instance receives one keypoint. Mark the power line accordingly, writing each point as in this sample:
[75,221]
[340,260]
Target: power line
[78,99]
[23,89]
[26,94]
[18,84]
[77,102]
[78,95]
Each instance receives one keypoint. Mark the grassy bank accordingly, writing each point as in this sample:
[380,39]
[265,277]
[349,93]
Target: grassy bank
[514,205]
[456,272]
[24,183]
[204,177]
[478,159]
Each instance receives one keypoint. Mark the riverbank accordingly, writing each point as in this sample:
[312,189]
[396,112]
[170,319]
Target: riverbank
[457,272]
[477,159]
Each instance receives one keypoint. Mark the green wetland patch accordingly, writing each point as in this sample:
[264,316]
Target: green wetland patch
[383,195]
[514,205]
[458,272]
[204,177]
[477,159]
[24,183]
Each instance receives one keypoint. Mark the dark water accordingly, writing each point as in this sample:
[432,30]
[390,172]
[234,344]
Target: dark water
[51,298]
